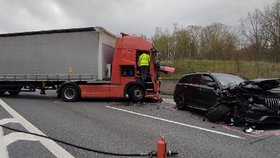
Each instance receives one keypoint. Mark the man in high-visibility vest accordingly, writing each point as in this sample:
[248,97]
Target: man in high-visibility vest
[144,63]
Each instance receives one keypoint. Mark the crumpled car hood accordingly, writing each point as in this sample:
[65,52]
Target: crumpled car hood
[263,84]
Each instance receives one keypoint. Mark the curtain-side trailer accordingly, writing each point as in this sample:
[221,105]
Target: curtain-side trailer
[78,63]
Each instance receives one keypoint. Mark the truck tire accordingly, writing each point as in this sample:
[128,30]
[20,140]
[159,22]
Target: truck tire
[70,93]
[218,113]
[180,102]
[136,93]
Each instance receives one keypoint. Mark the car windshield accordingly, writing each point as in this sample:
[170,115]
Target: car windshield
[226,79]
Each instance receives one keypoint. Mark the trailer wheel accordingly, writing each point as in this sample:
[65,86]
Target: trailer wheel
[14,92]
[136,93]
[70,93]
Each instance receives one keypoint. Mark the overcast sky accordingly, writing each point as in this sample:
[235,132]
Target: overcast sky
[129,16]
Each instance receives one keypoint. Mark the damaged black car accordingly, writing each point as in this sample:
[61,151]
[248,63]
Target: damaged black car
[226,96]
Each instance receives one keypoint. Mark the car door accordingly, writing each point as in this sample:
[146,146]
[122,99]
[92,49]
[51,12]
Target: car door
[193,91]
[207,92]
[185,87]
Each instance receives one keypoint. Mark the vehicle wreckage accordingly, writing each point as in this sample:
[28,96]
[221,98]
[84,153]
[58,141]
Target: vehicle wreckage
[250,101]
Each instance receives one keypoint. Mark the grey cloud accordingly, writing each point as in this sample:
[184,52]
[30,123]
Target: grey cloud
[130,16]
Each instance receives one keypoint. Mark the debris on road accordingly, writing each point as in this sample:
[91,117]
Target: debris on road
[252,130]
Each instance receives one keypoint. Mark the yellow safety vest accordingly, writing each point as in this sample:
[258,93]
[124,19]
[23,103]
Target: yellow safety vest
[144,60]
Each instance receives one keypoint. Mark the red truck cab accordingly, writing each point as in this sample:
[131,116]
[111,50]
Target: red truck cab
[125,79]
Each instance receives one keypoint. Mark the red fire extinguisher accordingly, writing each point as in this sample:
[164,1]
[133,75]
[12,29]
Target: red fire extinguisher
[161,144]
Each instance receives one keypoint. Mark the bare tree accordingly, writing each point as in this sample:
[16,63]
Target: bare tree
[194,33]
[252,29]
[271,29]
[163,43]
[217,42]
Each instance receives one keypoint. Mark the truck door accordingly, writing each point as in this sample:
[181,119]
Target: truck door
[126,76]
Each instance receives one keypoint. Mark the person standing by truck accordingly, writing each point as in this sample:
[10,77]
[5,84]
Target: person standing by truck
[144,63]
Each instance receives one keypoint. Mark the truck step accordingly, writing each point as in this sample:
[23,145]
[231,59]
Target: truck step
[149,90]
[148,82]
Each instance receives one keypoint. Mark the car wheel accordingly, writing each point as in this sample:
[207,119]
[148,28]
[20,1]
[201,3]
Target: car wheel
[70,93]
[218,113]
[136,93]
[180,102]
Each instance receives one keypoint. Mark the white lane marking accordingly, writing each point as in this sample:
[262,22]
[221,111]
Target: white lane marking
[15,136]
[3,148]
[177,123]
[52,146]
[8,120]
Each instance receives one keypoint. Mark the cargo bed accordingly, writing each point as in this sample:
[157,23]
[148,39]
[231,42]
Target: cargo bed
[80,54]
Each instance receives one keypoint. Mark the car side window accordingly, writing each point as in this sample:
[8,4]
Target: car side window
[196,79]
[186,79]
[205,80]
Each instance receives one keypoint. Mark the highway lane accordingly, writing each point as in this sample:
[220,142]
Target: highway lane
[117,126]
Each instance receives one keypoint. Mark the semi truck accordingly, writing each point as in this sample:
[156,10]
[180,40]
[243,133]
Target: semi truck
[78,63]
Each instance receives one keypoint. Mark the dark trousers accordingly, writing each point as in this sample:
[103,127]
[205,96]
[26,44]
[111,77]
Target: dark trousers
[144,72]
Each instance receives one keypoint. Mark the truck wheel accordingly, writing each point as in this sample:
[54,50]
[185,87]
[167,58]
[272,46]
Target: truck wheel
[218,113]
[180,102]
[70,93]
[136,93]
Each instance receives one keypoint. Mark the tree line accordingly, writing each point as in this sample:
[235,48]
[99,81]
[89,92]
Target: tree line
[257,38]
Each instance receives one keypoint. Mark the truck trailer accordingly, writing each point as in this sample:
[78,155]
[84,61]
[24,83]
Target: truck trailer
[77,63]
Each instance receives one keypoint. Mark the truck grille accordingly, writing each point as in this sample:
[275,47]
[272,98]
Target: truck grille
[273,103]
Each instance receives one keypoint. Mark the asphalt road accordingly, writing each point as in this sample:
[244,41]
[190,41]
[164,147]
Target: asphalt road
[123,127]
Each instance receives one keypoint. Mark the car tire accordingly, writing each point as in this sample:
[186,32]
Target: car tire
[70,93]
[136,93]
[218,113]
[180,102]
